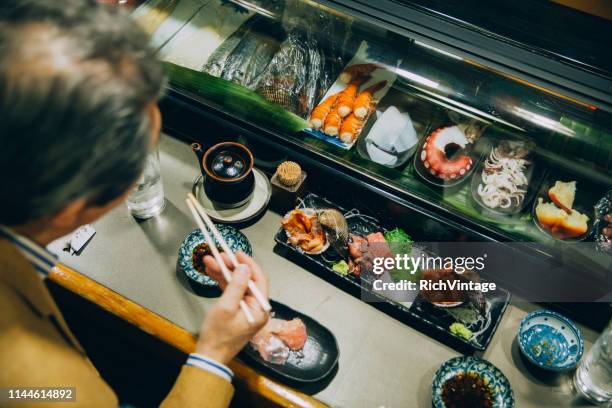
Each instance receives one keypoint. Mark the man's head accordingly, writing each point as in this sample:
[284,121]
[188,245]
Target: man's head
[78,113]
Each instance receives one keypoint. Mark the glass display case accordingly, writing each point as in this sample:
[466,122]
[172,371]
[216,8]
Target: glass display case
[508,138]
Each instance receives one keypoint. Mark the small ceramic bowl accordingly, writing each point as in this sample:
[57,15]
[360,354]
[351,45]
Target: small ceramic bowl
[550,341]
[235,239]
[502,394]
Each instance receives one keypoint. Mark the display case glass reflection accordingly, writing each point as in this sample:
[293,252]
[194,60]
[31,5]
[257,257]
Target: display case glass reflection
[469,139]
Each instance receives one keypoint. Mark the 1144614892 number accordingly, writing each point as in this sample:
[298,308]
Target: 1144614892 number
[37,393]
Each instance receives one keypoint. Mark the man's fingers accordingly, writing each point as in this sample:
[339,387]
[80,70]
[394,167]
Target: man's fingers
[247,260]
[213,269]
[235,290]
[257,275]
[259,315]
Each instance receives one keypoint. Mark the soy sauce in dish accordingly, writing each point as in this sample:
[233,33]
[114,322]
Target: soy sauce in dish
[467,390]
[198,254]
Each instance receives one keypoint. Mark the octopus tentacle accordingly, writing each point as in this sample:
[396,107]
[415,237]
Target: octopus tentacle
[434,156]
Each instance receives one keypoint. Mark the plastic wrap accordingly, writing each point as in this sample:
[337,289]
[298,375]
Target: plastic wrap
[218,59]
[286,74]
[252,55]
[314,70]
[603,223]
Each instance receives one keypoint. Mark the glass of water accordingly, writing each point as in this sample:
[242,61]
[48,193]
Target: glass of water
[593,378]
[147,198]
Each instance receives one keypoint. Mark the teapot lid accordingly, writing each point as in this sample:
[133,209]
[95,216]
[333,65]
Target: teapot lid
[227,161]
[228,165]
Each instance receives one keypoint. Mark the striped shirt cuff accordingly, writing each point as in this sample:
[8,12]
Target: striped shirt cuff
[210,365]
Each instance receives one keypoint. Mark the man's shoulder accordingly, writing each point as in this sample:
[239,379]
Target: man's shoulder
[15,309]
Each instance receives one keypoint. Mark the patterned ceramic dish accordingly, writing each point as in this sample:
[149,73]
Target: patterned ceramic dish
[502,394]
[236,240]
[550,341]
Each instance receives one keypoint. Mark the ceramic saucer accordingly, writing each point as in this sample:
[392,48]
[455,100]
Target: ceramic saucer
[258,202]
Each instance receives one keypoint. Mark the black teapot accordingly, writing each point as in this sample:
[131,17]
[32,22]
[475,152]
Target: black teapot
[227,171]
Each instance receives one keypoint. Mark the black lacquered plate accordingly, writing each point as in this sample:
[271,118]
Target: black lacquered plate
[424,315]
[313,363]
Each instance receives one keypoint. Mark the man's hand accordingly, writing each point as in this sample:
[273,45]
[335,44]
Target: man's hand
[225,330]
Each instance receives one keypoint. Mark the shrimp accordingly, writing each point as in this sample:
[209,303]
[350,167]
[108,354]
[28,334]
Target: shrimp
[332,123]
[357,70]
[346,98]
[350,128]
[365,100]
[318,114]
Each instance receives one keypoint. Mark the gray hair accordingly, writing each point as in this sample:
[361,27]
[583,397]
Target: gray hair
[76,79]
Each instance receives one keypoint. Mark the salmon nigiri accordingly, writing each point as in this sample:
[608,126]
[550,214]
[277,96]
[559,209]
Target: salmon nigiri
[318,114]
[365,100]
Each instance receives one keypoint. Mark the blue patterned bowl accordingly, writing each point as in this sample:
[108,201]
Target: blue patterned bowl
[550,341]
[235,239]
[503,396]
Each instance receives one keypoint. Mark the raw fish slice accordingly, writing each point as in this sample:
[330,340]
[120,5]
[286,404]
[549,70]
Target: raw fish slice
[360,261]
[378,246]
[441,296]
[293,333]
[271,348]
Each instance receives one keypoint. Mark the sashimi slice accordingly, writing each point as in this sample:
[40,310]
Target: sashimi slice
[378,246]
[277,337]
[293,334]
[271,348]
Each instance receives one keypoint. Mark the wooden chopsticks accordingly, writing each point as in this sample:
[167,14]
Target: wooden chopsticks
[199,214]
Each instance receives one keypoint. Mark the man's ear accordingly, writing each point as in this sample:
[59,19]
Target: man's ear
[70,216]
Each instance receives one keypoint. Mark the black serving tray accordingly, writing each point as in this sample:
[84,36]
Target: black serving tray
[313,363]
[421,314]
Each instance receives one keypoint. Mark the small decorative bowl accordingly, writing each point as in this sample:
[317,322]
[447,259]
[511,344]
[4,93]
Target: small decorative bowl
[502,394]
[550,341]
[235,239]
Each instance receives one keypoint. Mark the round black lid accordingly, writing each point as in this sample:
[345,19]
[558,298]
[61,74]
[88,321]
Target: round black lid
[228,164]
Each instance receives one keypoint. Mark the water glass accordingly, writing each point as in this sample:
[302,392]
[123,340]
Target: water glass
[147,198]
[593,378]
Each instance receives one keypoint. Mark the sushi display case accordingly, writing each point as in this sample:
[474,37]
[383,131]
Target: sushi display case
[502,139]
